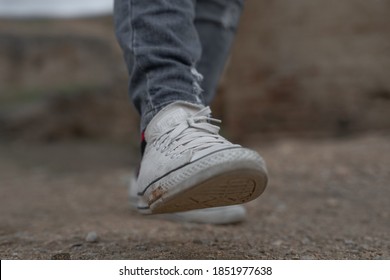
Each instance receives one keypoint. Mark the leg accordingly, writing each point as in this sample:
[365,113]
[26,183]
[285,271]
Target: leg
[216,22]
[161,48]
[186,163]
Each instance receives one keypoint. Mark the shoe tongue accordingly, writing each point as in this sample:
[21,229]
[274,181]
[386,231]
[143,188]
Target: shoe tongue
[168,117]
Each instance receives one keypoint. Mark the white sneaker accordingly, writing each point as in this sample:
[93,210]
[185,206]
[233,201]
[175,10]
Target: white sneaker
[187,165]
[216,215]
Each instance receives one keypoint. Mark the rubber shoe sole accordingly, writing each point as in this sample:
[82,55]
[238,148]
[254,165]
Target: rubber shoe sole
[226,177]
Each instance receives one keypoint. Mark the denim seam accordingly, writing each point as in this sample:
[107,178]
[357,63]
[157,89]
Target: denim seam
[134,47]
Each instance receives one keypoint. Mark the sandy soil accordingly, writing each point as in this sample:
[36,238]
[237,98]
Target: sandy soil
[327,199]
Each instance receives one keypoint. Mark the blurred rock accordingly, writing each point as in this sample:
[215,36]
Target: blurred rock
[92,237]
[85,115]
[307,68]
[298,68]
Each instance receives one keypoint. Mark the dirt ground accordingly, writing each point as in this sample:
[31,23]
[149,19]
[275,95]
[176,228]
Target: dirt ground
[327,199]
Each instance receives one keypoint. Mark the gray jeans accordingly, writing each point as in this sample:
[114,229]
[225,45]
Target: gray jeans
[174,49]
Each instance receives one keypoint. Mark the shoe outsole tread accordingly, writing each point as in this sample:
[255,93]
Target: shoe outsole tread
[228,177]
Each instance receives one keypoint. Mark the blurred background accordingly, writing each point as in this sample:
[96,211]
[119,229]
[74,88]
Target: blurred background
[307,86]
[298,68]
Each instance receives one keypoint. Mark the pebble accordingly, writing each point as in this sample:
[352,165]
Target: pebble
[91,237]
[348,242]
[305,241]
[277,243]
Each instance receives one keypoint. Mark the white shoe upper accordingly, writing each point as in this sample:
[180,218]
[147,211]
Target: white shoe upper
[187,165]
[179,134]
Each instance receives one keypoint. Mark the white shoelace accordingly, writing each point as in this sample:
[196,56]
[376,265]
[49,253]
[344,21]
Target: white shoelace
[196,133]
